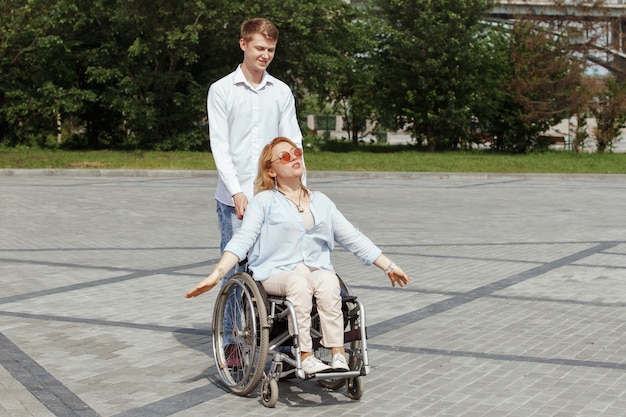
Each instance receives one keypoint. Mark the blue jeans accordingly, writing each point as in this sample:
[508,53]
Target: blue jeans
[229,223]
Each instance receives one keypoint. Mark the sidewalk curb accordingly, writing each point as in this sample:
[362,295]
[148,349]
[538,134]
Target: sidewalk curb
[314,174]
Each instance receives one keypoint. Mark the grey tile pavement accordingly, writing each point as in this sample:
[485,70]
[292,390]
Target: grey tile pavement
[517,305]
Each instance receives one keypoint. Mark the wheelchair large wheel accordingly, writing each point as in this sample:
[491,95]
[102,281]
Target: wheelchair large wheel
[240,334]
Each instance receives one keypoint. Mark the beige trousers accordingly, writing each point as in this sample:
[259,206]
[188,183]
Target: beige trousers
[299,287]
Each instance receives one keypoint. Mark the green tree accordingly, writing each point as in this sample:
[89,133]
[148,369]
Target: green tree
[427,68]
[115,73]
[490,85]
[139,58]
[609,110]
[36,80]
[544,85]
[352,84]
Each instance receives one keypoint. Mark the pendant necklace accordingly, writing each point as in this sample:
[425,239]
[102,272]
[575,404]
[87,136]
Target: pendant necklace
[300,209]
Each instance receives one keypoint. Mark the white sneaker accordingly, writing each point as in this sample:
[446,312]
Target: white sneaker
[312,365]
[339,362]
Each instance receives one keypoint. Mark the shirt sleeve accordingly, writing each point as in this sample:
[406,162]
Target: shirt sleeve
[219,132]
[247,234]
[351,238]
[288,125]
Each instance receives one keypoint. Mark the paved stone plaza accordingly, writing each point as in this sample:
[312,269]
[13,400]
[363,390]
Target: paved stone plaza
[517,305]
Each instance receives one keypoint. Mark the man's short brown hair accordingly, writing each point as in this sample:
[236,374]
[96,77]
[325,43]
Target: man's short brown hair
[258,25]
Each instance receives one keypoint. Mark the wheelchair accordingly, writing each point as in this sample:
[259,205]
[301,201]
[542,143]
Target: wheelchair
[252,344]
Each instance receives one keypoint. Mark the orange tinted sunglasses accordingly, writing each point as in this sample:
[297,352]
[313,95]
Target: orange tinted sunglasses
[285,157]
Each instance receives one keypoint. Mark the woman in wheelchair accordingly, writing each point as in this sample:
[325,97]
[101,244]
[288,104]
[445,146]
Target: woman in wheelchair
[288,233]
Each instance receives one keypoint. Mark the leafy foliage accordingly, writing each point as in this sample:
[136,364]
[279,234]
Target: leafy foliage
[609,111]
[133,74]
[427,68]
[541,86]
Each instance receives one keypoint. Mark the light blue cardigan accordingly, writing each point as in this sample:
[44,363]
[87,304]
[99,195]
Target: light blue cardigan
[274,238]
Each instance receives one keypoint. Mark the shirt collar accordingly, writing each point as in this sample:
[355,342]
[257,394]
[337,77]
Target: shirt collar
[240,78]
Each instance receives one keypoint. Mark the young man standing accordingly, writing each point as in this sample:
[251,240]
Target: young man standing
[246,110]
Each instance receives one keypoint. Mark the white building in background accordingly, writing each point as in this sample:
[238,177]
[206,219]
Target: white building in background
[332,127]
[566,131]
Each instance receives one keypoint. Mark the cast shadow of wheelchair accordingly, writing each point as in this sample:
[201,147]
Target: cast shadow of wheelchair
[294,392]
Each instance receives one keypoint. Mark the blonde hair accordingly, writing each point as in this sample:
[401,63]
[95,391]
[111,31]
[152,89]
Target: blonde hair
[261,26]
[263,179]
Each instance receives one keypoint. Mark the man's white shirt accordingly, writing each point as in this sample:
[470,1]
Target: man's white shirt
[242,120]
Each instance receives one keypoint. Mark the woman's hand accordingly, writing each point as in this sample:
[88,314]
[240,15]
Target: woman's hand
[398,276]
[205,285]
[393,271]
[225,264]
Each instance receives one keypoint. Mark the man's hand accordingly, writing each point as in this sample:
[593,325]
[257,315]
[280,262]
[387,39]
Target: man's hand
[241,202]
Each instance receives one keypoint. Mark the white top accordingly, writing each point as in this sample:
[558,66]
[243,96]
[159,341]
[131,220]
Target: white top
[242,120]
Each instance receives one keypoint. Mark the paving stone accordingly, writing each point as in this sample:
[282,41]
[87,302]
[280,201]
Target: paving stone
[517,305]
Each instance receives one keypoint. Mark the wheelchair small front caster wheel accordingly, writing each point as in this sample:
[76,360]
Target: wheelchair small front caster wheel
[269,392]
[354,388]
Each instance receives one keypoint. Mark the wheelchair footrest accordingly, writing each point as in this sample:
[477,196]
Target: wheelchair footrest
[334,375]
